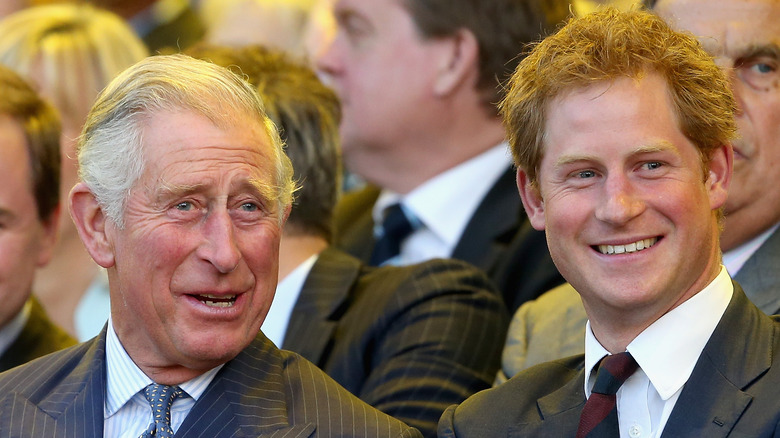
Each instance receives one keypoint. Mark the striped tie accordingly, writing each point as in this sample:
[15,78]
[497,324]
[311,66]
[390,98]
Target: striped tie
[160,398]
[599,417]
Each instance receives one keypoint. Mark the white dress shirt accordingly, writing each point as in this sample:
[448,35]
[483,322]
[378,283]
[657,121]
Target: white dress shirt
[126,411]
[444,205]
[287,292]
[666,352]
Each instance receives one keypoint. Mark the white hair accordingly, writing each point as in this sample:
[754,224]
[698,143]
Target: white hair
[110,151]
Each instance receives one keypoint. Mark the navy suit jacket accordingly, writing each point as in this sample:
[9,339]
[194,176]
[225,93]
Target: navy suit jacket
[409,340]
[262,392]
[732,392]
[498,239]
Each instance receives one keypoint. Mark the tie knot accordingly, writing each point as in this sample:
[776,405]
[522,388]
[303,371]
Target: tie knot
[613,371]
[396,227]
[396,224]
[162,395]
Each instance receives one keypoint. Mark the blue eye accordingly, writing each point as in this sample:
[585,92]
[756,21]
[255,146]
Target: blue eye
[184,206]
[762,68]
[653,165]
[248,206]
[586,174]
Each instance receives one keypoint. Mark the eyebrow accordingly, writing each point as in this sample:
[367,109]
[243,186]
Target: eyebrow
[659,146]
[771,50]
[170,190]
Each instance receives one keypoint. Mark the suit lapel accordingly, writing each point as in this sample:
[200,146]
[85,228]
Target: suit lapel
[74,407]
[315,315]
[738,352]
[247,398]
[487,234]
[760,276]
[354,222]
[559,412]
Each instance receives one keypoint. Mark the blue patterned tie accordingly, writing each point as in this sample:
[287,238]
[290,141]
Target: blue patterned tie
[160,398]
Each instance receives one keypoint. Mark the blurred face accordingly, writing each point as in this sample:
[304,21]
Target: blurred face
[744,36]
[195,266]
[622,196]
[383,72]
[25,241]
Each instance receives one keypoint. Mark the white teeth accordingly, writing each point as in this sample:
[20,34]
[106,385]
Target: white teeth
[631,247]
[224,300]
[219,303]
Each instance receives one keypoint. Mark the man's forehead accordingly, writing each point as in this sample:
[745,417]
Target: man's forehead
[726,28]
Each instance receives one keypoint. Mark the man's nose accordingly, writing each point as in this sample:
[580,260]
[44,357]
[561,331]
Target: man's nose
[619,203]
[219,245]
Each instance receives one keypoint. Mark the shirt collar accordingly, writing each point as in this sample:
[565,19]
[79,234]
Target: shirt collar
[669,348]
[287,291]
[124,379]
[454,194]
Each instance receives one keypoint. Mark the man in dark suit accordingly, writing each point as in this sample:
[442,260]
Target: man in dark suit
[418,82]
[408,340]
[553,326]
[29,210]
[621,129]
[184,191]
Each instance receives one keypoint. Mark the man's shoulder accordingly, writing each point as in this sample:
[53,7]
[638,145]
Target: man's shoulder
[309,395]
[313,396]
[36,378]
[516,401]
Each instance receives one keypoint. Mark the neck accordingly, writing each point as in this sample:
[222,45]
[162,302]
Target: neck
[405,165]
[295,249]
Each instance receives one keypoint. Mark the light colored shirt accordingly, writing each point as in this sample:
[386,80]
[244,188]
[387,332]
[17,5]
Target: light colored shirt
[11,331]
[93,308]
[737,257]
[444,205]
[126,412]
[666,352]
[287,291]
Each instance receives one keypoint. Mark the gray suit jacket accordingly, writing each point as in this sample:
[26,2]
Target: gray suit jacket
[263,392]
[553,325]
[731,392]
[409,341]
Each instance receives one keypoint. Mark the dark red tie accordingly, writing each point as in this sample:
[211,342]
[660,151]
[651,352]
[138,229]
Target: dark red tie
[599,416]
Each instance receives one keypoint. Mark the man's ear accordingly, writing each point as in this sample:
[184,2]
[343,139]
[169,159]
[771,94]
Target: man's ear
[719,175]
[458,61]
[91,224]
[532,200]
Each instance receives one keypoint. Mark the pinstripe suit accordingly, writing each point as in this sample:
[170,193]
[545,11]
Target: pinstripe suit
[38,337]
[408,340]
[262,392]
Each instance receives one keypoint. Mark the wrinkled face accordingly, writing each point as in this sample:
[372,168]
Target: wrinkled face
[382,70]
[629,217]
[195,267]
[25,241]
[744,36]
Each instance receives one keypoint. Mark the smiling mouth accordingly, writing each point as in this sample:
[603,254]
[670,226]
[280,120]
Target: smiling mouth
[639,245]
[217,301]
